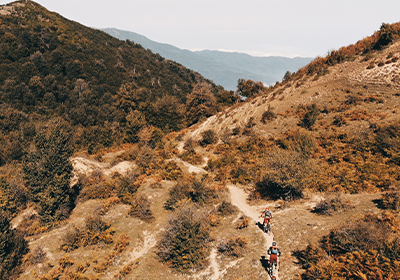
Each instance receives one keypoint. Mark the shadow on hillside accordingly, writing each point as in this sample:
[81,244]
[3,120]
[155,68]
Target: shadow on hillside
[379,203]
[260,226]
[265,263]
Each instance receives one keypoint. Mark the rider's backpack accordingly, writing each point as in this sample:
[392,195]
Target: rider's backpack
[267,214]
[274,250]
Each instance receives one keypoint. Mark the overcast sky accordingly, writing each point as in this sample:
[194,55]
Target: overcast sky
[258,27]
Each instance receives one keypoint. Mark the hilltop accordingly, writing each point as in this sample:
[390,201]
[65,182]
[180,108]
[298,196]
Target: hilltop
[320,149]
[224,68]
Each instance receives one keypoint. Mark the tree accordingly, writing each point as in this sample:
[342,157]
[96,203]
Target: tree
[249,88]
[200,103]
[48,171]
[12,248]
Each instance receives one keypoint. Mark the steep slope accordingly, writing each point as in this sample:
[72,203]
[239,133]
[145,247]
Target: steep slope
[224,68]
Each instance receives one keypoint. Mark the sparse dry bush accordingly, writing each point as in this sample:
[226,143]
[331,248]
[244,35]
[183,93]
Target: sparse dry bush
[141,209]
[226,208]
[189,145]
[147,159]
[172,171]
[310,117]
[36,256]
[119,247]
[96,231]
[242,223]
[391,199]
[192,189]
[268,115]
[234,246]
[368,248]
[208,137]
[332,204]
[192,157]
[184,241]
[97,186]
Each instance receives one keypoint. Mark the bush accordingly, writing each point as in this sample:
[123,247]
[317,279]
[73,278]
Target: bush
[268,115]
[286,175]
[184,241]
[195,190]
[172,171]
[330,205]
[208,137]
[310,117]
[226,208]
[391,199]
[141,209]
[234,246]
[243,223]
[95,231]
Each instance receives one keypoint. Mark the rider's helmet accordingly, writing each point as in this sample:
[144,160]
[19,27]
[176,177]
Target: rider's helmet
[273,243]
[266,208]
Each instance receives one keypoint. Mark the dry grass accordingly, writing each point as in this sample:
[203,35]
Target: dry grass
[296,226]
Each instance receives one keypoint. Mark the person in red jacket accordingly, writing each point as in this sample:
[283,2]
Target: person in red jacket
[274,253]
[267,216]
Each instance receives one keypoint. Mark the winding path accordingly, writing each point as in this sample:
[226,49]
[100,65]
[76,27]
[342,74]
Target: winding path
[239,199]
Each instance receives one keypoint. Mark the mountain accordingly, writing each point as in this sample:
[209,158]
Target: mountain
[224,68]
[51,66]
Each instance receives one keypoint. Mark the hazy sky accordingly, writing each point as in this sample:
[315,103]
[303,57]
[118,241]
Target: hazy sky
[258,27]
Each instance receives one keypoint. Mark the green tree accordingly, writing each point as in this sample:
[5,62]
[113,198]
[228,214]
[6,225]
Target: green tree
[200,103]
[249,88]
[12,248]
[48,170]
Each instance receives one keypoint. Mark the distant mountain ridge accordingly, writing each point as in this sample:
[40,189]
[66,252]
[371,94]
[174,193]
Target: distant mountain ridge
[224,68]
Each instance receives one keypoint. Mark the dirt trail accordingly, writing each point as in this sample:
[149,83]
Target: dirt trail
[239,199]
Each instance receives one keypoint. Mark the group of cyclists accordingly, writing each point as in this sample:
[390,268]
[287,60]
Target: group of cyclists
[273,251]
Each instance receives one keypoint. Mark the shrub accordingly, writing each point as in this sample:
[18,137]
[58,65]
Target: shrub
[189,145]
[249,88]
[193,189]
[180,191]
[226,208]
[310,117]
[234,246]
[208,137]
[95,231]
[330,205]
[172,171]
[391,199]
[184,241]
[368,248]
[119,247]
[141,209]
[286,174]
[268,115]
[243,223]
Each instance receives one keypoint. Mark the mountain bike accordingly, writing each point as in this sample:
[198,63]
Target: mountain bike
[267,227]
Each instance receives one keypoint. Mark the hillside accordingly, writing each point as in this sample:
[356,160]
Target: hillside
[320,149]
[224,68]
[51,66]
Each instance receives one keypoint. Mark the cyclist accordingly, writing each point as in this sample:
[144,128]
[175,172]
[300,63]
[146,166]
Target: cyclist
[274,253]
[267,216]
